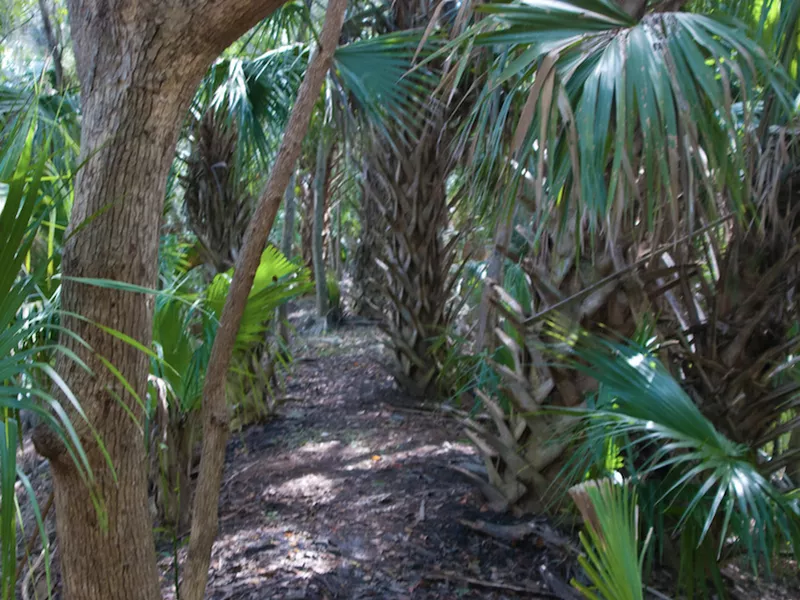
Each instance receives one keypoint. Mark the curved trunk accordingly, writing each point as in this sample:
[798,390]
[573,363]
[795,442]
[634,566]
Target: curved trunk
[138,65]
[215,410]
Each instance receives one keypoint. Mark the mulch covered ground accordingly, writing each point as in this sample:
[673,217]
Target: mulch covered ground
[349,493]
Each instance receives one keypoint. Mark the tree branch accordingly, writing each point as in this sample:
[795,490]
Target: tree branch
[222,22]
[205,520]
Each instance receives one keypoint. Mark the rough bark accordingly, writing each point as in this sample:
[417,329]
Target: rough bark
[138,64]
[368,297]
[205,520]
[412,198]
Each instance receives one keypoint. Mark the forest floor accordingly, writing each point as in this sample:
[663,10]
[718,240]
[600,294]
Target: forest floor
[350,492]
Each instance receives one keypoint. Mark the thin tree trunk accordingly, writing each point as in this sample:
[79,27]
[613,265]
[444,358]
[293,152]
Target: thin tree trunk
[494,272]
[287,242]
[337,244]
[205,519]
[138,66]
[53,43]
[306,203]
[320,188]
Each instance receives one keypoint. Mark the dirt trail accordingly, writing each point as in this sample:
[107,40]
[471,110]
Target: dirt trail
[344,495]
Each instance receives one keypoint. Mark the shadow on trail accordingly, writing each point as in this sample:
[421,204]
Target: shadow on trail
[342,496]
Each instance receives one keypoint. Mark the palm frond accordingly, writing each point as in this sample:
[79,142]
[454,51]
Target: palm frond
[719,480]
[377,74]
[277,280]
[613,559]
[600,111]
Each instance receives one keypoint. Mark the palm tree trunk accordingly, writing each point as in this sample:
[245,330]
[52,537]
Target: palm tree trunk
[413,202]
[368,294]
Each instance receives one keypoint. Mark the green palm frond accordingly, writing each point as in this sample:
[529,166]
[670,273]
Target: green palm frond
[710,477]
[277,280]
[377,74]
[613,560]
[598,111]
[26,325]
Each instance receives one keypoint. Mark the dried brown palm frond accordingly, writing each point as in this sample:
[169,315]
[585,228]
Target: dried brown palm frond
[216,201]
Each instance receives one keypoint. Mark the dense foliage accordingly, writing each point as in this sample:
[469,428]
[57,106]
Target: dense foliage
[575,220]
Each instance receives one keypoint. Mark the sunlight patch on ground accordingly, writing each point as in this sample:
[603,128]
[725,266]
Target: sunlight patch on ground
[313,485]
[321,447]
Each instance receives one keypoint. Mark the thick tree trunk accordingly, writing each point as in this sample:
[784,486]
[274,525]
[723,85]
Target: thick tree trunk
[412,198]
[138,64]
[368,295]
[129,133]
[205,519]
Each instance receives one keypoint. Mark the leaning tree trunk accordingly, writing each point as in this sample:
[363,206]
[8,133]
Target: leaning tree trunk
[138,64]
[215,410]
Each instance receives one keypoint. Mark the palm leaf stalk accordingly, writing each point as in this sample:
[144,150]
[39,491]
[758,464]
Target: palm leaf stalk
[613,560]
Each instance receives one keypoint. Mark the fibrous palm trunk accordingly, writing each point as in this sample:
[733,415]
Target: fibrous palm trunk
[368,297]
[408,188]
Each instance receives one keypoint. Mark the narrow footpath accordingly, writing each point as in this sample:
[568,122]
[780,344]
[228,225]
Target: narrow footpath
[350,493]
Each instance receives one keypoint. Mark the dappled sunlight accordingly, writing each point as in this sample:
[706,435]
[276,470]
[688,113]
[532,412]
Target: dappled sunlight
[314,486]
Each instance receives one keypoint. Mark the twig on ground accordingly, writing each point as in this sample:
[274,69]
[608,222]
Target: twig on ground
[520,531]
[495,585]
[657,594]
